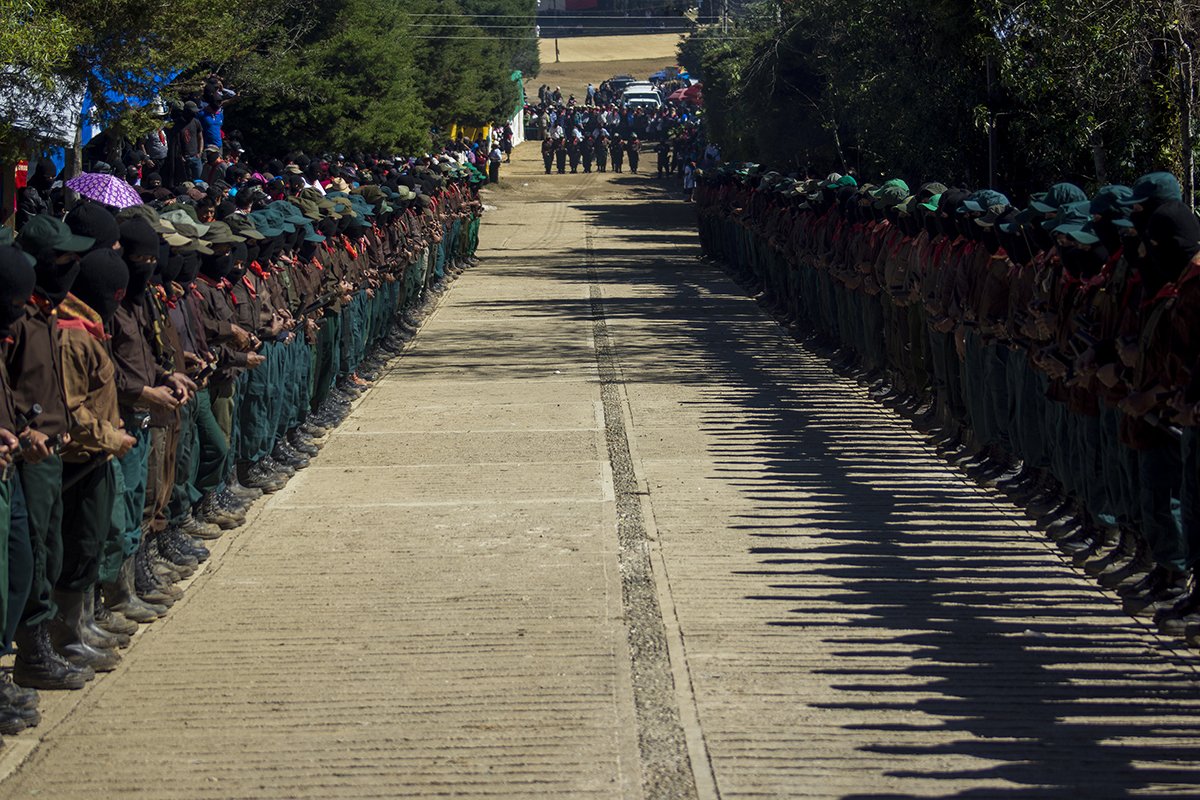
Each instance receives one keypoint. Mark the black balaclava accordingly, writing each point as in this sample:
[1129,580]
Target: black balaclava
[1083,262]
[254,251]
[16,285]
[138,239]
[101,284]
[1015,243]
[96,221]
[307,250]
[1173,239]
[189,267]
[164,262]
[239,260]
[215,266]
[170,270]
[948,205]
[54,280]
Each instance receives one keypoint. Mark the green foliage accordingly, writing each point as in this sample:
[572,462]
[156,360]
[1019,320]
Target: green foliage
[1083,89]
[344,74]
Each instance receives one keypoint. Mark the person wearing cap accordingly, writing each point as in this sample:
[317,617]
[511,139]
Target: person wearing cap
[18,706]
[33,358]
[90,489]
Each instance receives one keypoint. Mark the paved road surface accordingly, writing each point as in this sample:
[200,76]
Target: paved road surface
[606,532]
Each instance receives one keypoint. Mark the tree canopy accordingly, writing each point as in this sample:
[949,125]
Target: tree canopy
[1011,91]
[329,73]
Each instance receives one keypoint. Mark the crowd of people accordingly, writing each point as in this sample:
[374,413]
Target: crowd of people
[1051,351]
[170,358]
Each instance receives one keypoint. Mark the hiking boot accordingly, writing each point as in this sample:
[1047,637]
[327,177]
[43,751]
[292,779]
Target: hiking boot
[121,596]
[16,696]
[197,529]
[39,666]
[114,621]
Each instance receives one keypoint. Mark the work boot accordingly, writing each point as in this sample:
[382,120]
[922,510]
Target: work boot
[258,476]
[1173,619]
[197,529]
[114,621]
[1129,572]
[170,548]
[211,511]
[284,454]
[39,666]
[165,568]
[245,494]
[1121,547]
[121,596]
[187,544]
[16,696]
[230,502]
[150,587]
[303,443]
[11,721]
[68,634]
[278,467]
[1162,586]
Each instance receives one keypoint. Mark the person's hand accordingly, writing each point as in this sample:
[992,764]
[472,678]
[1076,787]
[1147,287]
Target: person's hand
[241,337]
[1109,375]
[127,444]
[159,397]
[9,445]
[1128,352]
[36,446]
[276,326]
[183,386]
[1138,404]
[254,359]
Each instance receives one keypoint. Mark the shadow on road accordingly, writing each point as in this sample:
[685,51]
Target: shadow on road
[961,625]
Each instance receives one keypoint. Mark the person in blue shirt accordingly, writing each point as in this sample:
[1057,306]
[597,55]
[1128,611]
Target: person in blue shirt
[212,117]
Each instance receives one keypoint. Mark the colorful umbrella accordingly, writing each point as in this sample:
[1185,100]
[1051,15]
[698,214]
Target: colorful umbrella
[107,189]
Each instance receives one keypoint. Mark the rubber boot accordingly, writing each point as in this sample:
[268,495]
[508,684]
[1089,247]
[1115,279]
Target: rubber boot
[68,636]
[93,633]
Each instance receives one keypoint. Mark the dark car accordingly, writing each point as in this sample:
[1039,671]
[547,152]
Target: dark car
[619,82]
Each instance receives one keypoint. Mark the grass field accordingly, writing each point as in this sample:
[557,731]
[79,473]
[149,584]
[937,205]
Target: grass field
[596,58]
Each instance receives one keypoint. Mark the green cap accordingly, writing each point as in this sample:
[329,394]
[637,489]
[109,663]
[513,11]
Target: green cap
[243,226]
[185,224]
[219,233]
[1156,186]
[890,194]
[932,203]
[265,224]
[47,232]
[1060,194]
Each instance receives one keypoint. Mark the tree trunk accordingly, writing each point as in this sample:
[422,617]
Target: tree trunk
[1099,157]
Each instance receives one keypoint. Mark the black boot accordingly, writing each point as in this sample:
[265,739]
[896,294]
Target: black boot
[68,634]
[39,666]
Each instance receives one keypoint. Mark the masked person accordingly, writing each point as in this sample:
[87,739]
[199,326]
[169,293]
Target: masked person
[18,707]
[89,475]
[34,359]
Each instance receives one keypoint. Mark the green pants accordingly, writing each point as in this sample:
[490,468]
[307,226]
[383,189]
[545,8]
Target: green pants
[184,494]
[210,468]
[42,483]
[18,560]
[89,495]
[131,472]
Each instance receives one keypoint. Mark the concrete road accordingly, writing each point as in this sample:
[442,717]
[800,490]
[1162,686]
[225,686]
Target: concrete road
[605,531]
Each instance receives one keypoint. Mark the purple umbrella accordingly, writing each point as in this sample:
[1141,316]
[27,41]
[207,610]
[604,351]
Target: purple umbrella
[107,189]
